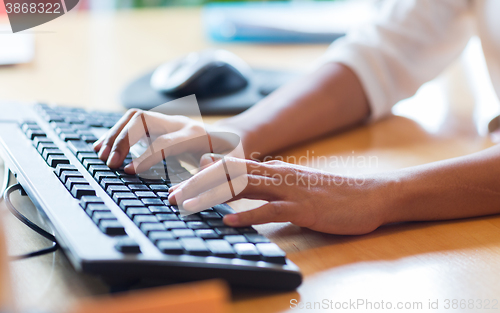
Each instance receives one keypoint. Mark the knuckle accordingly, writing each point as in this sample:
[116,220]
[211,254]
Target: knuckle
[276,210]
[132,112]
[197,128]
[274,162]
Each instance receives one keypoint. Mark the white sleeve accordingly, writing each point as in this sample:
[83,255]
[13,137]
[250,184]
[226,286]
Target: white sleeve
[409,43]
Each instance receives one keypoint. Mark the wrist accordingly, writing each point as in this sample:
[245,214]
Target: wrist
[391,198]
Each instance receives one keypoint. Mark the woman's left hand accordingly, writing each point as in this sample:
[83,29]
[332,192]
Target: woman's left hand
[303,196]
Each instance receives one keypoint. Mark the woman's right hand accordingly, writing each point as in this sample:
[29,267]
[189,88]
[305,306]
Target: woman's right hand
[166,135]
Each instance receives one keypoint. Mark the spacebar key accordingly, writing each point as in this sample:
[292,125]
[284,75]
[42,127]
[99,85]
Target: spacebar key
[79,146]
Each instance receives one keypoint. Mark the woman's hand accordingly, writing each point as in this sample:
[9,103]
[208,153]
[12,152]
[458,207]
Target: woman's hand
[303,196]
[165,135]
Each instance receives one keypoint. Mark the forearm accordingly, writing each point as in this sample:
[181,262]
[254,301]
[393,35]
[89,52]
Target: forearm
[325,101]
[456,188]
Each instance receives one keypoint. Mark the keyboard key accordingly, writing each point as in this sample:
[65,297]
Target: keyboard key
[29,125]
[96,168]
[159,235]
[149,227]
[64,167]
[131,180]
[98,176]
[206,234]
[170,247]
[167,217]
[145,194]
[38,140]
[247,251]
[79,191]
[70,174]
[82,156]
[112,227]
[191,218]
[118,196]
[48,152]
[194,246]
[33,133]
[53,117]
[209,215]
[54,160]
[138,187]
[89,138]
[216,223]
[71,182]
[98,216]
[150,201]
[179,233]
[85,201]
[88,162]
[163,195]
[220,248]
[174,224]
[223,231]
[127,245]
[223,209]
[106,182]
[139,219]
[125,204]
[197,225]
[94,208]
[256,238]
[133,211]
[160,209]
[159,187]
[46,145]
[77,146]
[117,188]
[232,239]
[69,137]
[271,253]
[246,230]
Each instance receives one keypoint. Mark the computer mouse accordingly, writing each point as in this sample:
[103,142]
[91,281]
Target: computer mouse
[206,73]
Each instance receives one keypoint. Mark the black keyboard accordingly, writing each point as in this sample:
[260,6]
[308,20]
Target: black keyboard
[127,209]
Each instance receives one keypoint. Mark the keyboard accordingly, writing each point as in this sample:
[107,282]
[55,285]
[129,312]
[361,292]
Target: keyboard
[121,226]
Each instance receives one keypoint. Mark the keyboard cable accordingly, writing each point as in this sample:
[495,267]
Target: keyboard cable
[5,195]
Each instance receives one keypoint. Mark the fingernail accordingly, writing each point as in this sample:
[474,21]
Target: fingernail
[103,153]
[190,205]
[129,168]
[114,159]
[231,219]
[175,196]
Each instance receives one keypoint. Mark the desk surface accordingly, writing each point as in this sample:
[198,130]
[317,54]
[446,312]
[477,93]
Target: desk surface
[85,60]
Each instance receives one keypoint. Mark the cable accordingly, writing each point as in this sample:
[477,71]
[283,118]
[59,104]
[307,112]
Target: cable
[30,224]
[6,181]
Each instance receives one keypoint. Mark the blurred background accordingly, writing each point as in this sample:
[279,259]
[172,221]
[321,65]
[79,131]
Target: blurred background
[126,4]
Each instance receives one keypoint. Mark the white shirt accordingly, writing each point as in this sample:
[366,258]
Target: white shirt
[412,41]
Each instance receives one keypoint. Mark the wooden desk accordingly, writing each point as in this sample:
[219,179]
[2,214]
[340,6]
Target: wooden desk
[86,60]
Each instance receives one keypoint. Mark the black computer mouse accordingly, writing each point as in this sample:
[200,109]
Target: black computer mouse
[206,73]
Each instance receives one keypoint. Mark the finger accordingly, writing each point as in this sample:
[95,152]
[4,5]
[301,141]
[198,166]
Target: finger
[104,144]
[135,130]
[268,213]
[162,147]
[256,187]
[211,197]
[206,160]
[217,174]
